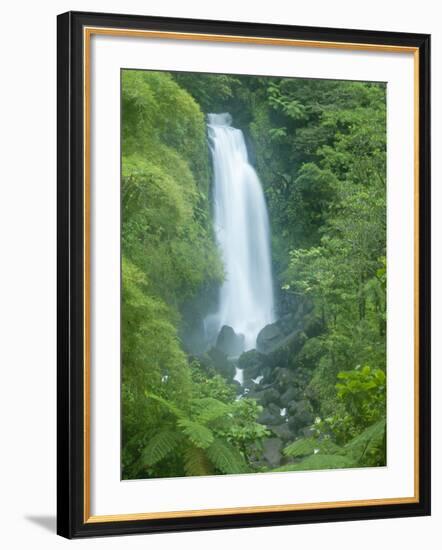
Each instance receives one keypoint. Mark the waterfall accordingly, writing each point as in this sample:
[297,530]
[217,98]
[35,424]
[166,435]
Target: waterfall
[242,231]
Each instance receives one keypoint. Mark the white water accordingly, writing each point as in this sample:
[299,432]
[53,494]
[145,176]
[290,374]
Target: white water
[242,231]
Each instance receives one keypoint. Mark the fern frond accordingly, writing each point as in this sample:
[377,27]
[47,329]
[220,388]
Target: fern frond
[368,440]
[171,407]
[159,446]
[209,409]
[226,458]
[309,446]
[198,434]
[196,462]
[301,447]
[328,447]
[319,462]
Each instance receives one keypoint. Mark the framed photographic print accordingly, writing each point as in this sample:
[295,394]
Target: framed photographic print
[243,274]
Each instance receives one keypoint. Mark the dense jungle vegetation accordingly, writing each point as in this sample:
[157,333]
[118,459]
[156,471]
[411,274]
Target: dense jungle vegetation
[319,147]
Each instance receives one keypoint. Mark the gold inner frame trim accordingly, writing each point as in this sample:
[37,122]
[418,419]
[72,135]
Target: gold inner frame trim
[134,33]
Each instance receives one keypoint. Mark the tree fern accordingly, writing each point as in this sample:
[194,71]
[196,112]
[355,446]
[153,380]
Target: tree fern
[301,447]
[196,462]
[199,435]
[319,462]
[328,447]
[362,450]
[226,458]
[204,450]
[305,447]
[159,446]
[208,409]
[368,442]
[173,409]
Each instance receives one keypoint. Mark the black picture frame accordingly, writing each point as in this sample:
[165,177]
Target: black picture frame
[72,522]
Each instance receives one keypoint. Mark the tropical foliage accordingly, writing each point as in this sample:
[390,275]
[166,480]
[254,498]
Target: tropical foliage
[320,150]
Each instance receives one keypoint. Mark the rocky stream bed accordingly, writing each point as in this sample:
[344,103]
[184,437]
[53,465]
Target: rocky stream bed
[273,374]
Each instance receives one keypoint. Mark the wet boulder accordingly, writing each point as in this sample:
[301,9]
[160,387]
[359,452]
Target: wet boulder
[278,346]
[229,342]
[221,364]
[269,337]
[251,363]
[300,415]
[268,395]
[283,432]
[271,416]
[272,454]
[289,395]
[284,378]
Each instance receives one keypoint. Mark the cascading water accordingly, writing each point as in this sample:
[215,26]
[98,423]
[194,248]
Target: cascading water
[242,230]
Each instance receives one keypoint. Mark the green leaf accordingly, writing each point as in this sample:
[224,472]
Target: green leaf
[226,458]
[380,376]
[166,404]
[301,447]
[209,409]
[369,439]
[319,462]
[196,462]
[200,435]
[328,447]
[159,446]
[304,447]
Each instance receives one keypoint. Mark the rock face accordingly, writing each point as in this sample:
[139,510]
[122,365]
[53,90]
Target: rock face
[229,342]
